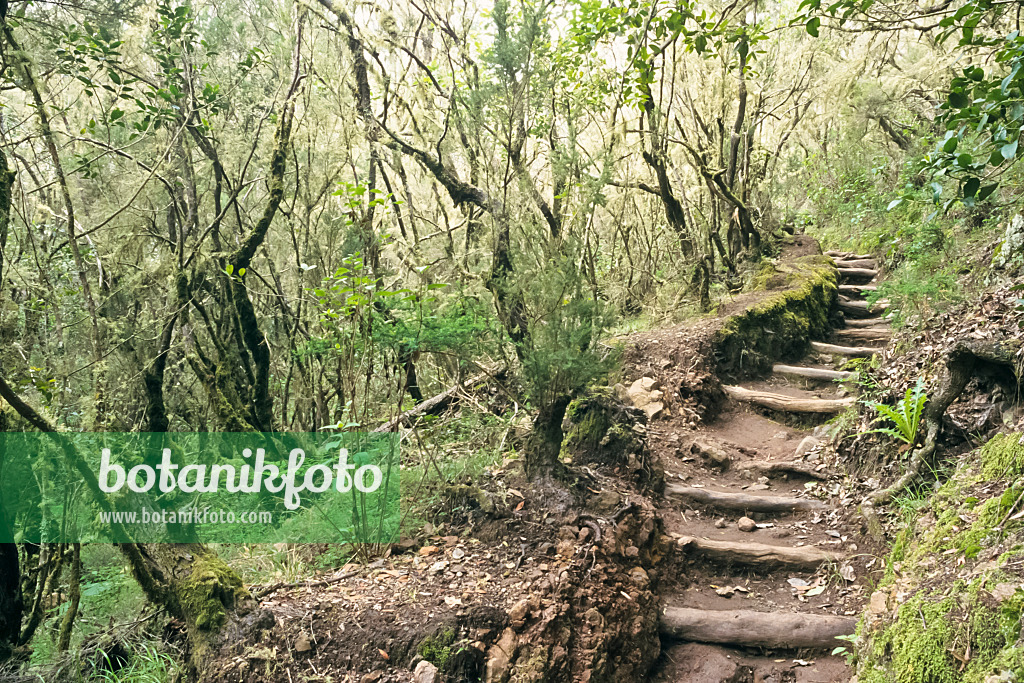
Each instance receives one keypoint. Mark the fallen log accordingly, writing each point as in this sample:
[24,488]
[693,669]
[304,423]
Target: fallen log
[876,334]
[760,555]
[788,404]
[856,275]
[742,502]
[836,350]
[432,405]
[869,263]
[861,309]
[773,630]
[769,468]
[813,373]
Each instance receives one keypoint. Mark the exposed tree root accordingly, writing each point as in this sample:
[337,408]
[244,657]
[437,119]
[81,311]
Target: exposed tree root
[756,629]
[967,359]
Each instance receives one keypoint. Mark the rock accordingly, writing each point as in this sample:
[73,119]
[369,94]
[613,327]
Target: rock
[746,524]
[808,444]
[499,657]
[1004,591]
[371,677]
[606,501]
[622,393]
[654,409]
[639,576]
[879,603]
[720,523]
[1012,244]
[518,612]
[425,672]
[758,487]
[302,643]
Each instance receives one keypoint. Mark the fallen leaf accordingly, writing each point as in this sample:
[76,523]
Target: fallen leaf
[383,653]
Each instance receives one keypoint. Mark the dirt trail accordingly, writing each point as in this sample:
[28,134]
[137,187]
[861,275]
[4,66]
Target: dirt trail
[759,596]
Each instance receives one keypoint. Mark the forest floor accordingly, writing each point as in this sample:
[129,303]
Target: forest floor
[519,582]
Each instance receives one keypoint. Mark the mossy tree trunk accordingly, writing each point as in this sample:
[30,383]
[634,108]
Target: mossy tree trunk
[204,593]
[544,444]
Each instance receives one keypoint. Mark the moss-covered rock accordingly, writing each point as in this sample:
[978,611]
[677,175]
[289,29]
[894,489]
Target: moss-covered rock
[798,307]
[602,430]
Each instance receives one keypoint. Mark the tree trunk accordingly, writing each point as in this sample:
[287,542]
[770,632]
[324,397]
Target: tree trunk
[544,444]
[10,590]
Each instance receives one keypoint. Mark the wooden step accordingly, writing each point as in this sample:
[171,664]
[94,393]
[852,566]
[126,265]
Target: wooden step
[861,309]
[857,290]
[770,468]
[869,263]
[847,255]
[866,334]
[774,630]
[853,351]
[788,404]
[867,322]
[856,275]
[761,555]
[813,373]
[741,502]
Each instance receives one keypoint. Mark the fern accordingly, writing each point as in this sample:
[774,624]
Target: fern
[905,417]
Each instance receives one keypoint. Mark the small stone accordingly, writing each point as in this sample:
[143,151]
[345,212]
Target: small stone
[519,610]
[606,501]
[808,444]
[720,523]
[302,643]
[759,487]
[425,673]
[371,677]
[746,524]
[879,603]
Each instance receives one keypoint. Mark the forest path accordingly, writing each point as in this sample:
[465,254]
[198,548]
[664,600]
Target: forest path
[772,571]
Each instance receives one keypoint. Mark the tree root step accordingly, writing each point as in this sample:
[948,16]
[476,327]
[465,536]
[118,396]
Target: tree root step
[861,309]
[857,290]
[774,630]
[813,373]
[868,263]
[856,275]
[788,404]
[759,555]
[875,334]
[866,322]
[847,255]
[854,351]
[768,468]
[742,502]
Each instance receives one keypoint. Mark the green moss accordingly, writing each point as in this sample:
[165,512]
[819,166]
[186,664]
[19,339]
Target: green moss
[953,629]
[948,639]
[209,590]
[1002,457]
[783,323]
[437,649]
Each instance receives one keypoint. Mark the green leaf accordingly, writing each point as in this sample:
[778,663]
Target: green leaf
[957,100]
[1009,150]
[971,186]
[893,204]
[813,25]
[984,192]
[950,145]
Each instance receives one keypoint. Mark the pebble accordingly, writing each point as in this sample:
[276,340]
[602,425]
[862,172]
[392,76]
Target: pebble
[746,524]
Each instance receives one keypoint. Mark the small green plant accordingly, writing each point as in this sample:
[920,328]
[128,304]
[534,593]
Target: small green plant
[905,417]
